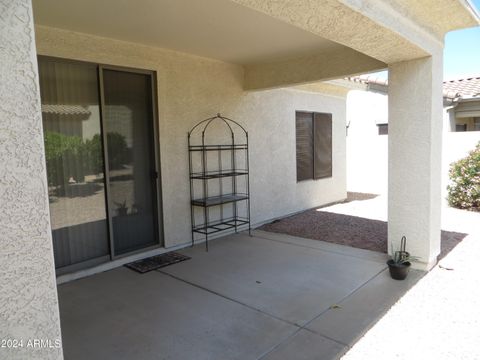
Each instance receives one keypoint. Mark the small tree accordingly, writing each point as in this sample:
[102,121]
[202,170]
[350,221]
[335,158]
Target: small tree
[63,155]
[464,188]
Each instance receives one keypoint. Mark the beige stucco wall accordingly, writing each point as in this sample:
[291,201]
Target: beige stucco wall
[192,88]
[28,294]
[367,152]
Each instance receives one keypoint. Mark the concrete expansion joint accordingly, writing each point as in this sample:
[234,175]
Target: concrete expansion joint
[273,348]
[283,341]
[226,298]
[293,334]
[314,248]
[299,327]
[330,338]
[348,295]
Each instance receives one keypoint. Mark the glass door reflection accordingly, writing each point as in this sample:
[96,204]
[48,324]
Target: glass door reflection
[74,160]
[128,128]
[101,162]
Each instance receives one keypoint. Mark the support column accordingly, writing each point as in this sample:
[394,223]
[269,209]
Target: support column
[29,315]
[415,150]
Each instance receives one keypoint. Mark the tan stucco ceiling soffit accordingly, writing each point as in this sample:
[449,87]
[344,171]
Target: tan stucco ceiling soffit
[436,17]
[334,64]
[372,27]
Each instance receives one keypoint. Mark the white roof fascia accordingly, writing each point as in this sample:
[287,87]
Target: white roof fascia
[472,8]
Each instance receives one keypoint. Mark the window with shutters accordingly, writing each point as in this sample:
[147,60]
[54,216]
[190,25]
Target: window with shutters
[314,145]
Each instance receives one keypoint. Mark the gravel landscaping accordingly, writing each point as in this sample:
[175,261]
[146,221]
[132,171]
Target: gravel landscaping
[355,231]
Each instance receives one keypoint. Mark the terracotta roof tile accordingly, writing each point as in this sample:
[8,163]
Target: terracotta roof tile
[467,87]
[61,109]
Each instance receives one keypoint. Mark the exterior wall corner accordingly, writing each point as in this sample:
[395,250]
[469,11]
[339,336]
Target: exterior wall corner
[28,295]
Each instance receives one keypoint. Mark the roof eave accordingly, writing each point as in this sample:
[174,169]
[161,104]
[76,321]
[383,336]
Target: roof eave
[474,12]
[468,99]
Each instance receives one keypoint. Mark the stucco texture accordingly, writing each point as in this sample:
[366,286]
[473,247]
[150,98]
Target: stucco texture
[333,64]
[191,89]
[28,294]
[354,25]
[387,30]
[415,151]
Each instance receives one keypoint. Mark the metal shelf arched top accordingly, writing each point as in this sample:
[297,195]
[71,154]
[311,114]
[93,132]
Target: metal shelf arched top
[206,123]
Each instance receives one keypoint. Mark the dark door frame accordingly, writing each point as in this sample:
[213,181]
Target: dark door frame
[155,171]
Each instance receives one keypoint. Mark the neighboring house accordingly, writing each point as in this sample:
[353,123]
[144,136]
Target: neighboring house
[461,102]
[464,100]
[119,85]
[367,119]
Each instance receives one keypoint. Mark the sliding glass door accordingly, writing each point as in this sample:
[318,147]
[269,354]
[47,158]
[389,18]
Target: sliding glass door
[128,119]
[100,154]
[73,150]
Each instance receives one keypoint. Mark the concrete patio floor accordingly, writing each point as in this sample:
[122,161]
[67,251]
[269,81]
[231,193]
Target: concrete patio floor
[269,296]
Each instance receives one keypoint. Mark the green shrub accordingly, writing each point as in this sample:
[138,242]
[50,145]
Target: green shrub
[71,157]
[57,144]
[464,188]
[118,154]
[94,155]
[63,155]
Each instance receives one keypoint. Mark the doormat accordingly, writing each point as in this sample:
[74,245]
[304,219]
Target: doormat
[156,262]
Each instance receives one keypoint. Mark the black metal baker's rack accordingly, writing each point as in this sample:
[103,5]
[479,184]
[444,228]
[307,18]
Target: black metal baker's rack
[219,177]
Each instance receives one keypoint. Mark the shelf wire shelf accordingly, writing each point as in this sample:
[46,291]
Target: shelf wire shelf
[202,174]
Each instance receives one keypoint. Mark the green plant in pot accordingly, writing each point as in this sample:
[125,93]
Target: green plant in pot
[399,264]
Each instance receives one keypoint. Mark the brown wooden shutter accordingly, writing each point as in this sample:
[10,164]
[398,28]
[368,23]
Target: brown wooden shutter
[304,135]
[322,133]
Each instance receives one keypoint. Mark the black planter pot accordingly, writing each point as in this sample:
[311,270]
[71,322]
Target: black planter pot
[398,271]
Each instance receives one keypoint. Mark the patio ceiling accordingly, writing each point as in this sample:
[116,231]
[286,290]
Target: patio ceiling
[279,43]
[216,29]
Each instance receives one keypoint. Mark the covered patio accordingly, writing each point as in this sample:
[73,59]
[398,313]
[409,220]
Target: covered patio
[276,296]
[262,62]
[269,296]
